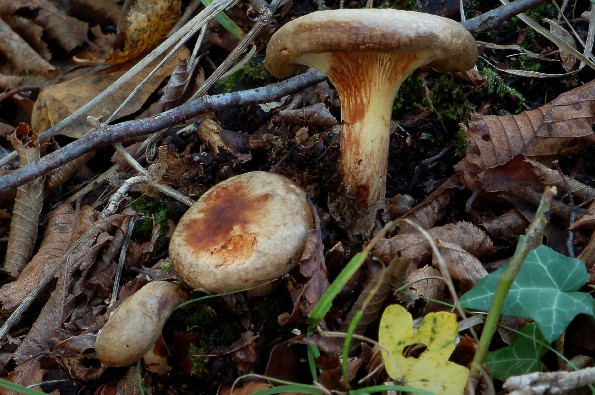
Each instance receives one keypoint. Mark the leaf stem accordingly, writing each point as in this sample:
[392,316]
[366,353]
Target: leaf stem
[532,240]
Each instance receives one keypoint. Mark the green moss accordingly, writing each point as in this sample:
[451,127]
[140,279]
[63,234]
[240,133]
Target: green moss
[496,85]
[411,91]
[523,62]
[251,73]
[451,99]
[545,10]
[411,5]
[152,210]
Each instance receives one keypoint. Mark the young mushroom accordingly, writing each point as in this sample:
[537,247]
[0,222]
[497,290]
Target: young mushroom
[367,54]
[134,327]
[244,232]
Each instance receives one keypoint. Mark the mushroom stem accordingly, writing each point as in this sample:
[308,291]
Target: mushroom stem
[367,84]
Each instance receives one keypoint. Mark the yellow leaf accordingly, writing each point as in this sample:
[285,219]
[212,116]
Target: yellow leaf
[420,359]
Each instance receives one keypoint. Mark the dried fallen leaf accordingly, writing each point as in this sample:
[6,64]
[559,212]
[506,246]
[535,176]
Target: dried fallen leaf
[58,101]
[554,129]
[415,247]
[145,25]
[28,204]
[19,53]
[61,225]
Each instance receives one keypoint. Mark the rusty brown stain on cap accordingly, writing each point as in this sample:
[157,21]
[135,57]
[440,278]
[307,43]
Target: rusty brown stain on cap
[222,224]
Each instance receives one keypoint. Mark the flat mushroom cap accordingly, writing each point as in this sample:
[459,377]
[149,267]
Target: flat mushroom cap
[244,232]
[448,45]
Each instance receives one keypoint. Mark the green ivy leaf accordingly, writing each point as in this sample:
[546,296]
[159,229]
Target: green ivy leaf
[544,291]
[521,357]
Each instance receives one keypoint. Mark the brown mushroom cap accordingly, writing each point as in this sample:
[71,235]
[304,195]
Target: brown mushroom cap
[448,45]
[243,232]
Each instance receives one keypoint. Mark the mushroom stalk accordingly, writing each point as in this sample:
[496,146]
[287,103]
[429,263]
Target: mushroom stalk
[366,108]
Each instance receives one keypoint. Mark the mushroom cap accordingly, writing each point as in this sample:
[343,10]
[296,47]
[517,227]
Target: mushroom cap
[243,232]
[447,44]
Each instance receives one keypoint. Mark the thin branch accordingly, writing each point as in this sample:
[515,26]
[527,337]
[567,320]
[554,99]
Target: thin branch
[110,134]
[492,19]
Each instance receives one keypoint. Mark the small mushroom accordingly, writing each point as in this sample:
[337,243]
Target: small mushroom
[367,54]
[244,232]
[134,327]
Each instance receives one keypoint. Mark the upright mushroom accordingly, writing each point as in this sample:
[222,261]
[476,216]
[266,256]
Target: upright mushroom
[367,54]
[244,232]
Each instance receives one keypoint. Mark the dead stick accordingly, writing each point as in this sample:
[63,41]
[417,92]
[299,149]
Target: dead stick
[109,134]
[491,19]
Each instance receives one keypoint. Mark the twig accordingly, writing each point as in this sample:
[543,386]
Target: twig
[491,19]
[110,134]
[532,240]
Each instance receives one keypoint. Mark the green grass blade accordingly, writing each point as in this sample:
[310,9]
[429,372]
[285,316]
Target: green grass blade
[297,388]
[388,387]
[226,22]
[324,304]
[18,388]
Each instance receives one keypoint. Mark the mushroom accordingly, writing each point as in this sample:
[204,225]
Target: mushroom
[134,327]
[367,54]
[244,232]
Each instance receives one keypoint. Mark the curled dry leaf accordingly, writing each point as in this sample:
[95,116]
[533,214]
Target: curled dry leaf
[61,225]
[588,221]
[31,32]
[58,101]
[416,248]
[313,266]
[427,212]
[462,266]
[28,204]
[144,26]
[554,129]
[19,53]
[62,174]
[507,226]
[315,115]
[176,86]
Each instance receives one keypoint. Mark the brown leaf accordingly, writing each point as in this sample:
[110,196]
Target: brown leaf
[588,221]
[19,53]
[555,129]
[462,266]
[28,204]
[61,225]
[31,33]
[176,86]
[427,212]
[146,24]
[313,267]
[27,373]
[416,248]
[65,30]
[507,226]
[58,101]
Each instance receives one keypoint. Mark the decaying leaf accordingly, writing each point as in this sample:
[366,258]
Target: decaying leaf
[507,226]
[420,359]
[553,130]
[177,84]
[61,224]
[568,59]
[462,266]
[416,248]
[313,267]
[144,26]
[19,53]
[27,373]
[28,204]
[58,101]
[427,212]
[66,31]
